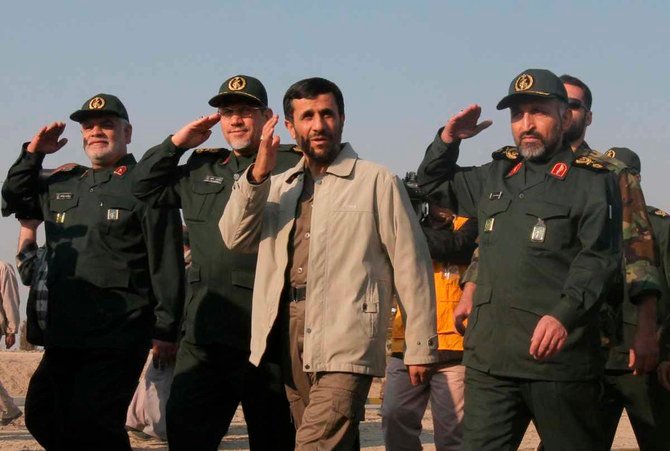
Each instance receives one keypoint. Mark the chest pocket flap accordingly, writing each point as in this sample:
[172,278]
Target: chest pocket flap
[209,185]
[60,202]
[117,201]
[547,210]
[493,207]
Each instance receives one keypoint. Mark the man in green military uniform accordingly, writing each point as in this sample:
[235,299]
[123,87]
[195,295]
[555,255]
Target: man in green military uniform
[549,248]
[647,404]
[115,280]
[213,373]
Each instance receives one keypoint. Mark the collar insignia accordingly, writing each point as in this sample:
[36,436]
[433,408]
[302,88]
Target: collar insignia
[515,169]
[120,170]
[560,171]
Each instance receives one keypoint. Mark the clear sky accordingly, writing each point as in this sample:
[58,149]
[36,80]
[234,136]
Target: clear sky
[404,68]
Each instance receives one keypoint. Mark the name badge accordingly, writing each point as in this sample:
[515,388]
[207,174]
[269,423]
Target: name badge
[63,196]
[213,179]
[113,214]
[488,225]
[539,232]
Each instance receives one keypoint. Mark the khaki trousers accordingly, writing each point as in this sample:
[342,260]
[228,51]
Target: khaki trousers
[7,407]
[326,407]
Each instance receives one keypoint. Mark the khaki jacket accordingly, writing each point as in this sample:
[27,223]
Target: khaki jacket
[9,296]
[365,242]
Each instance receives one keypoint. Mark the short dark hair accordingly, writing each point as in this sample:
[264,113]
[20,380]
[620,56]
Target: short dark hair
[310,88]
[574,81]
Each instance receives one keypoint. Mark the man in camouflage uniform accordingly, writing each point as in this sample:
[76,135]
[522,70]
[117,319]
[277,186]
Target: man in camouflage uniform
[645,401]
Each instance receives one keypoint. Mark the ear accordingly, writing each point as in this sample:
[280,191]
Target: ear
[589,118]
[291,129]
[128,132]
[267,114]
[566,120]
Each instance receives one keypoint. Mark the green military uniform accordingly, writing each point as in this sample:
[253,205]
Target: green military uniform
[212,373]
[115,281]
[549,245]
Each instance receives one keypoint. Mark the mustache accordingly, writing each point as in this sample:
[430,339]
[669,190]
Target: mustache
[531,134]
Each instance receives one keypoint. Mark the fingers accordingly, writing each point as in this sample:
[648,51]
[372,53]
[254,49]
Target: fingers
[483,126]
[459,323]
[548,338]
[208,121]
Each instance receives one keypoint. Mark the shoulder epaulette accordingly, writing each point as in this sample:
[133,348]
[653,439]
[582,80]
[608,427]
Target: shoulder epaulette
[67,167]
[290,148]
[657,212]
[506,153]
[589,162]
[609,163]
[209,150]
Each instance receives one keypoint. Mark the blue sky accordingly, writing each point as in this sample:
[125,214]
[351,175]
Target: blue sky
[404,68]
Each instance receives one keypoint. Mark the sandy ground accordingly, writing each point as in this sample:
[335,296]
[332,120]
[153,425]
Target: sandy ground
[17,367]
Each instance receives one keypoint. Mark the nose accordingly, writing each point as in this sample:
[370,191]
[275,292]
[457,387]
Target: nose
[528,122]
[317,123]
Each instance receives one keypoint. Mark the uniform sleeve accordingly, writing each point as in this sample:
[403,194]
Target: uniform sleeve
[642,275]
[21,190]
[470,274]
[163,235]
[9,290]
[599,260]
[458,188]
[156,178]
[406,247]
[447,244]
[242,220]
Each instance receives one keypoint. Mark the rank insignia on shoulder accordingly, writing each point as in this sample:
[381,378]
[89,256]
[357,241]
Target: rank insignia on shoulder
[67,167]
[588,162]
[515,169]
[507,152]
[60,218]
[488,225]
[213,179]
[661,213]
[63,196]
[207,150]
[559,170]
[120,170]
[113,214]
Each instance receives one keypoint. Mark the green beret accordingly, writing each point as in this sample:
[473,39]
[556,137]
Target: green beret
[626,156]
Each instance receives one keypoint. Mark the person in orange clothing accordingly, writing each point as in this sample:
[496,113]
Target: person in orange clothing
[451,240]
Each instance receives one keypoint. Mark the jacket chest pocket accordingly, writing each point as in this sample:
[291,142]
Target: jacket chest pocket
[62,205]
[489,214]
[203,202]
[115,215]
[548,225]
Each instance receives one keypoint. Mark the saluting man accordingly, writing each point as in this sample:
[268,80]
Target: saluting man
[115,280]
[549,248]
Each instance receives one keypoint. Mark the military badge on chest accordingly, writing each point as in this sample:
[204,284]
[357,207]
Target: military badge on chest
[539,232]
[213,179]
[60,218]
[113,214]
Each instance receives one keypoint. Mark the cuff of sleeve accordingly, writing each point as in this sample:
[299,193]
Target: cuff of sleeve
[171,150]
[448,151]
[35,158]
[566,313]
[646,285]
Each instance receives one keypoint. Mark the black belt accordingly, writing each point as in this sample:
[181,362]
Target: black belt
[297,293]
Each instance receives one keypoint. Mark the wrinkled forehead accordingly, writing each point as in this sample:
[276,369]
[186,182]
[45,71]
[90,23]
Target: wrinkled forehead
[96,119]
[530,102]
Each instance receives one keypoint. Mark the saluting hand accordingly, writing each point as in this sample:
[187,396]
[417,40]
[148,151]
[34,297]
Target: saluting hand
[548,338]
[47,140]
[463,125]
[195,133]
[267,151]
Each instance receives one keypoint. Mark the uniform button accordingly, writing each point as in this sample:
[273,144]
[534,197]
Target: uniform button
[299,270]
[419,343]
[236,176]
[91,190]
[365,307]
[307,235]
[521,196]
[430,342]
[101,204]
[318,182]
[308,330]
[307,366]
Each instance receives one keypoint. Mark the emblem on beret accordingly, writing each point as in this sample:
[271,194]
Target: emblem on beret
[96,103]
[661,213]
[237,84]
[611,153]
[524,82]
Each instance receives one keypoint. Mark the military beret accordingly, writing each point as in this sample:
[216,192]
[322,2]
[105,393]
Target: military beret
[240,87]
[100,105]
[626,156]
[534,82]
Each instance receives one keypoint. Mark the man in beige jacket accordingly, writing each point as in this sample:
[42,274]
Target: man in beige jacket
[9,324]
[336,236]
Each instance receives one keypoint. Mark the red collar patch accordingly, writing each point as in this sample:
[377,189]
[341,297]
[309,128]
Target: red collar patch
[515,169]
[120,170]
[560,171]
